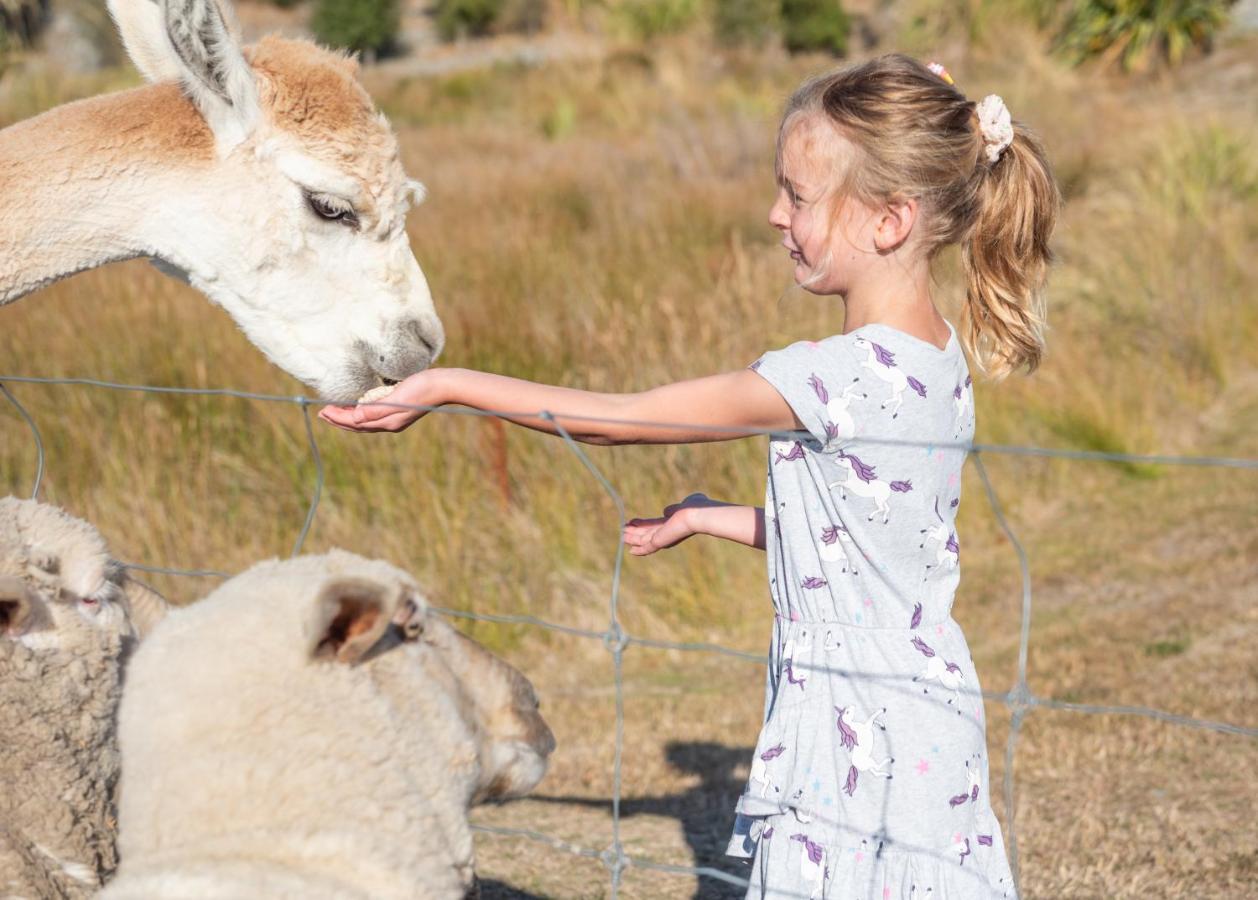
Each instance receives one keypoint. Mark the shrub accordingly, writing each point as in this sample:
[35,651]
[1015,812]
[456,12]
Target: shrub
[647,19]
[366,26]
[466,18]
[1136,33]
[750,22]
[814,25]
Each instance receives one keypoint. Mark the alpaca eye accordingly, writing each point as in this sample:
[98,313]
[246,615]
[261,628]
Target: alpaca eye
[334,211]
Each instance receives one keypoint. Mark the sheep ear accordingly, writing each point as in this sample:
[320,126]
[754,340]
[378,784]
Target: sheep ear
[145,606]
[351,615]
[15,606]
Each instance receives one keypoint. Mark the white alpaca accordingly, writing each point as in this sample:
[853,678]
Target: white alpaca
[882,363]
[261,176]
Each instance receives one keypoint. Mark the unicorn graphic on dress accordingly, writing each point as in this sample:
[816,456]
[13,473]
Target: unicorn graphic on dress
[840,426]
[961,396]
[962,849]
[832,550]
[974,778]
[858,739]
[862,480]
[812,864]
[760,768]
[881,362]
[948,551]
[790,661]
[946,673]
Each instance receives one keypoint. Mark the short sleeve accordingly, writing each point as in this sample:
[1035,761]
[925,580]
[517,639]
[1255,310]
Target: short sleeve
[810,376]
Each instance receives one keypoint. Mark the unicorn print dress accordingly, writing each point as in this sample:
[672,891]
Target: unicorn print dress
[869,780]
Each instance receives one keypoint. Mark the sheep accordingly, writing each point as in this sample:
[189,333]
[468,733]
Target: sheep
[68,618]
[310,729]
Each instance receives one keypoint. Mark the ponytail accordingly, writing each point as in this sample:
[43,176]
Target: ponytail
[1005,255]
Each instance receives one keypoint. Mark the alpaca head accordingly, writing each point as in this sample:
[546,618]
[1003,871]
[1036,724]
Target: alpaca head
[282,198]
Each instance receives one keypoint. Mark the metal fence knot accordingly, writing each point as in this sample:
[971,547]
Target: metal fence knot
[615,639]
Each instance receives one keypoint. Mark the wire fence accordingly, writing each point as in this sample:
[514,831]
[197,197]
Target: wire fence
[1019,700]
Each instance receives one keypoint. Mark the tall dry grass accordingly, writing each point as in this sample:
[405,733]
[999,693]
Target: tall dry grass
[624,248]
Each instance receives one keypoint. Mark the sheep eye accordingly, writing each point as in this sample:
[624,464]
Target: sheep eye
[334,211]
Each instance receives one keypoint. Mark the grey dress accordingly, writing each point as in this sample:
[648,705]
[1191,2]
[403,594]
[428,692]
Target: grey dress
[869,779]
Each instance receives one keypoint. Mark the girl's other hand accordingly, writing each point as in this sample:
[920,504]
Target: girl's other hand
[680,521]
[383,414]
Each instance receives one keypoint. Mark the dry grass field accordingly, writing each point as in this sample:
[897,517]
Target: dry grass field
[601,223]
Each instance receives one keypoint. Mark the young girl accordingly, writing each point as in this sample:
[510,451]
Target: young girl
[869,778]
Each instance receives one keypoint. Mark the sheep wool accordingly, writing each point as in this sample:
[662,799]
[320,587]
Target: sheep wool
[65,632]
[309,730]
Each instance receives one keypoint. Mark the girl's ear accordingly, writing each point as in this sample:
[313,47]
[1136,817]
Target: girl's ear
[895,224]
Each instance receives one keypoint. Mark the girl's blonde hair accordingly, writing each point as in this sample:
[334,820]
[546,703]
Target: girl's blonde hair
[918,138]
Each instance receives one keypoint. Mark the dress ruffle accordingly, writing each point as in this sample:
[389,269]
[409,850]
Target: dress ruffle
[820,862]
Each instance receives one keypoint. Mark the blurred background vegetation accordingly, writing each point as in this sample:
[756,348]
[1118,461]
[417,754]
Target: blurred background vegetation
[599,175]
[1132,34]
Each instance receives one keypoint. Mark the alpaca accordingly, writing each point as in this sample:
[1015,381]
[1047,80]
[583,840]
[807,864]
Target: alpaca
[262,176]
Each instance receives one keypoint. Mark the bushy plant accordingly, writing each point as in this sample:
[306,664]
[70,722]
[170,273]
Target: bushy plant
[1138,33]
[647,19]
[366,26]
[815,25]
[750,22]
[466,18]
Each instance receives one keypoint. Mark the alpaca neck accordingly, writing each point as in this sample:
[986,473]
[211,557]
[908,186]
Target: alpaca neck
[80,184]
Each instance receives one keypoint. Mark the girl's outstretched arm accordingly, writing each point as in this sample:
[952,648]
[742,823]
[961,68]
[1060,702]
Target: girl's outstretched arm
[716,408]
[697,514]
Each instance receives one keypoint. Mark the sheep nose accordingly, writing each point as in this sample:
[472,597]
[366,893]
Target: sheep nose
[15,605]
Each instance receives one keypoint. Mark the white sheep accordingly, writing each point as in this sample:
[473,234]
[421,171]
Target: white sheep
[311,730]
[68,617]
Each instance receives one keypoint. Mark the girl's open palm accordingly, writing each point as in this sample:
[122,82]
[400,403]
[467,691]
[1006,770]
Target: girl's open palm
[384,414]
[645,536]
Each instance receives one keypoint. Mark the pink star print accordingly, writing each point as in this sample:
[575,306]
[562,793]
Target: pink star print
[860,856]
[938,629]
[868,602]
[886,893]
[923,767]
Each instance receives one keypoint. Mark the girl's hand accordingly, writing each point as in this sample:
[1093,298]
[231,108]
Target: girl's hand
[383,414]
[680,521]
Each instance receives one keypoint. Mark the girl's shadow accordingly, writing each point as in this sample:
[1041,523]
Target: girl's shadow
[705,811]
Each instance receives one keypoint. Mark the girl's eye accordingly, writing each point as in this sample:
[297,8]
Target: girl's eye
[333,211]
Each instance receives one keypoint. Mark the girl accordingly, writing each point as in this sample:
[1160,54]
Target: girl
[869,778]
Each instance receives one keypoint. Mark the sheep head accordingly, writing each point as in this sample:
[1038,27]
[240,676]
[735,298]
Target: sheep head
[59,585]
[518,742]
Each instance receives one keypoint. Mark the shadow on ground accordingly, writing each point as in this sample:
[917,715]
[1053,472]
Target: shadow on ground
[705,812]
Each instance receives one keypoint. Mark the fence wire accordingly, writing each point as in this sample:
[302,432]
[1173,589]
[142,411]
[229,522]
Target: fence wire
[1020,700]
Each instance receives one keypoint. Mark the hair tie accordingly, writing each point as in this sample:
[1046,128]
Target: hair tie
[995,125]
[941,72]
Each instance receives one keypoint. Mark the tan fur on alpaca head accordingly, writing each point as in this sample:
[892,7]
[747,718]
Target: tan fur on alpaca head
[262,176]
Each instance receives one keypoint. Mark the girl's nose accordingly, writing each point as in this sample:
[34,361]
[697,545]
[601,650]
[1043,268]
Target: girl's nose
[779,214]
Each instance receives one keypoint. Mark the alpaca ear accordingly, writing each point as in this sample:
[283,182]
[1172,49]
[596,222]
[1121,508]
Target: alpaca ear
[141,26]
[351,616]
[193,41]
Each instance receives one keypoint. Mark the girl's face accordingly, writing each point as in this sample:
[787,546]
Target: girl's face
[822,244]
